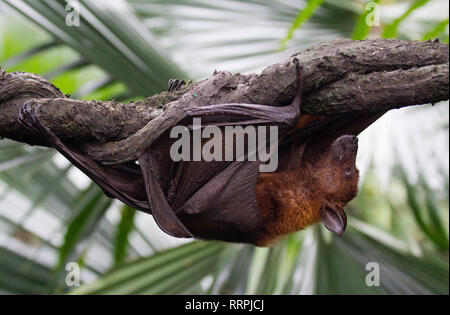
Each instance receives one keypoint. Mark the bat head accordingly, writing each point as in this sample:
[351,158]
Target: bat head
[337,178]
[326,150]
[335,170]
[316,184]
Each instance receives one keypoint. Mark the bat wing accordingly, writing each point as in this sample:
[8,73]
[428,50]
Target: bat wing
[124,182]
[201,194]
[319,134]
[213,200]
[210,200]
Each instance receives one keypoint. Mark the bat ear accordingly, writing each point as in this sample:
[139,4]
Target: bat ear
[334,220]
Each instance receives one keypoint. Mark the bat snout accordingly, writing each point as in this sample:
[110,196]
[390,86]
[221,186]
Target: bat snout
[347,140]
[345,147]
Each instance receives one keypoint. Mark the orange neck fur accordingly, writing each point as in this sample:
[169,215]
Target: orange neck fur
[286,204]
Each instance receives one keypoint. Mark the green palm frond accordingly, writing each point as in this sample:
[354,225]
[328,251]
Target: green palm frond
[390,31]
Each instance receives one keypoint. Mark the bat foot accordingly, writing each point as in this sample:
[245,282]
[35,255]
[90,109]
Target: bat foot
[299,69]
[176,84]
[27,116]
[300,83]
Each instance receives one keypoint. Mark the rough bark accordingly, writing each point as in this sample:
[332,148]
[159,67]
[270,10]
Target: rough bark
[340,76]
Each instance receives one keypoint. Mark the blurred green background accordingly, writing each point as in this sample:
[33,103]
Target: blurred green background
[51,214]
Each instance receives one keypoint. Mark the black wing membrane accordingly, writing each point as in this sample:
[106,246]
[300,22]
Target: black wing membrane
[124,182]
[211,200]
[215,199]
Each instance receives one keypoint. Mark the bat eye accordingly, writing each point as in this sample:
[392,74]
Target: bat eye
[348,173]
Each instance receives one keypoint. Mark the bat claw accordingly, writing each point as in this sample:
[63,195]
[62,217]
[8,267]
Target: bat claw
[29,117]
[300,70]
[26,118]
[300,78]
[176,84]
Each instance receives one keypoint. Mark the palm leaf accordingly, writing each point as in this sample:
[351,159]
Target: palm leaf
[20,275]
[123,231]
[390,31]
[301,18]
[180,268]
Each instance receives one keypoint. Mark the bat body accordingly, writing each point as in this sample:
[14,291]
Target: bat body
[231,200]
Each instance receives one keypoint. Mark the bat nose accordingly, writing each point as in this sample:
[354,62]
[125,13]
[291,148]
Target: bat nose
[348,140]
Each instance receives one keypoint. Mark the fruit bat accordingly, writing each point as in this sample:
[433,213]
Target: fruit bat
[231,200]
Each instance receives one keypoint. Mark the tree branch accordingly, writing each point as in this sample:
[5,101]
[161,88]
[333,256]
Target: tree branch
[340,76]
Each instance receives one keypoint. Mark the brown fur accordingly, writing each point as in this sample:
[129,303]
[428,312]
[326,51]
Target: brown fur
[306,120]
[294,198]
